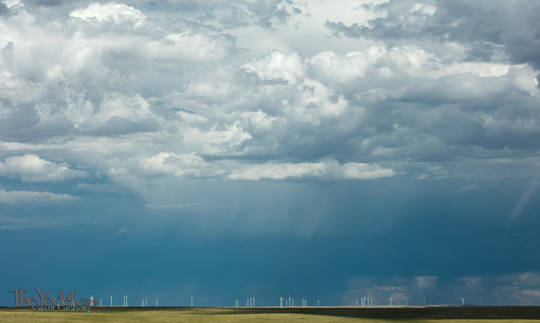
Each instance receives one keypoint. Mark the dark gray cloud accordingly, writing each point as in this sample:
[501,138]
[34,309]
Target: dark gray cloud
[119,126]
[241,13]
[482,25]
[3,9]
[45,3]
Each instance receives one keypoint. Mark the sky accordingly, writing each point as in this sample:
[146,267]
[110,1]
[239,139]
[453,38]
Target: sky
[325,150]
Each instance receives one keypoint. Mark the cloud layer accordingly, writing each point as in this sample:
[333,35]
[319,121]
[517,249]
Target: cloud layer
[143,86]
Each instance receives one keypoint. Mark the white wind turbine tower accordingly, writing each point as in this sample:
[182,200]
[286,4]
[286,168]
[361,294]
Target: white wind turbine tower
[111,300]
[191,301]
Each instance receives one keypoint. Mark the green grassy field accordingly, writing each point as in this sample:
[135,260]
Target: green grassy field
[271,315]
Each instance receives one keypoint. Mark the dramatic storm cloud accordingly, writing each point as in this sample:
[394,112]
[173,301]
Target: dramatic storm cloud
[391,147]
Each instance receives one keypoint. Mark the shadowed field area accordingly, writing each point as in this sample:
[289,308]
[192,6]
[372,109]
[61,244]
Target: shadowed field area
[269,314]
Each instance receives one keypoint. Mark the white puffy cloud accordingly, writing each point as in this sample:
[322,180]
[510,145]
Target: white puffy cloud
[31,168]
[111,12]
[365,171]
[279,171]
[189,165]
[327,169]
[278,65]
[424,8]
[227,141]
[347,67]
[16,197]
[317,101]
[258,120]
